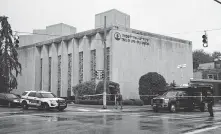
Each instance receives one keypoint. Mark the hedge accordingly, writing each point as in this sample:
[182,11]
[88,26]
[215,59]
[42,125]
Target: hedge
[147,99]
[151,84]
[109,85]
[137,102]
[86,88]
[100,87]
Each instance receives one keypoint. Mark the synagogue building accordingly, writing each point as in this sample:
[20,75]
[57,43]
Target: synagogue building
[63,58]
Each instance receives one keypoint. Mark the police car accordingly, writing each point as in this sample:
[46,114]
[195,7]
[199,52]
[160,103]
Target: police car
[42,100]
[188,97]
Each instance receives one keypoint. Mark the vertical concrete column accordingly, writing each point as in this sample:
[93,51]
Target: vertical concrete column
[109,44]
[45,68]
[86,59]
[37,67]
[99,54]
[75,63]
[54,68]
[64,69]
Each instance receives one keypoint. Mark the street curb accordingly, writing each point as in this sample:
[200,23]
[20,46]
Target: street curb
[97,108]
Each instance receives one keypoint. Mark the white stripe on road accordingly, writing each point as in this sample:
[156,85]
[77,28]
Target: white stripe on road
[9,112]
[203,130]
[14,116]
[106,110]
[84,110]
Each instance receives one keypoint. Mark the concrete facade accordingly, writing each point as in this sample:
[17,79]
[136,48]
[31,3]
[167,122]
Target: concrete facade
[128,61]
[73,59]
[132,58]
[113,18]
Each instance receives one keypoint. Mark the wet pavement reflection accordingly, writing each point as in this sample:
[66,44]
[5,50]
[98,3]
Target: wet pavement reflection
[33,122]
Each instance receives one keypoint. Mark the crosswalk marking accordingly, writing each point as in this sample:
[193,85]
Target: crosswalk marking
[203,130]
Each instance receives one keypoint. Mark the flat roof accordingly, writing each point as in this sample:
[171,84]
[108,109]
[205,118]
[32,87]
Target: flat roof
[101,30]
[205,80]
[111,11]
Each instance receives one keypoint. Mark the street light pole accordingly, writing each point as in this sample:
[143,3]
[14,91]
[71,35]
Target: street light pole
[182,75]
[105,66]
[181,68]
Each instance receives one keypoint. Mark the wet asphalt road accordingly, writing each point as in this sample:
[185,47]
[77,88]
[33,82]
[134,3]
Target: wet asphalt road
[67,122]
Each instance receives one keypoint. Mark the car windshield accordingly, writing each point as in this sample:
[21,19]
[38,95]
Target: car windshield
[11,96]
[48,95]
[170,94]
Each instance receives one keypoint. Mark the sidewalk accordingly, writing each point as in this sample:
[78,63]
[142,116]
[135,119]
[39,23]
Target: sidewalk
[99,108]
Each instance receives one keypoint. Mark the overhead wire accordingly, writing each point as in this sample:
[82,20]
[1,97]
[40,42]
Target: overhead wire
[36,33]
[45,34]
[164,33]
[200,31]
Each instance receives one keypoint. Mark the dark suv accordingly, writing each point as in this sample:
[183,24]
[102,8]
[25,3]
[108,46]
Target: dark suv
[189,98]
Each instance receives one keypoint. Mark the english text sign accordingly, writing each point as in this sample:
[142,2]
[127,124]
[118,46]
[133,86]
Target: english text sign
[131,38]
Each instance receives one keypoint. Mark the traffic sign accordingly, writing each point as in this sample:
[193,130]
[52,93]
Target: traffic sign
[99,74]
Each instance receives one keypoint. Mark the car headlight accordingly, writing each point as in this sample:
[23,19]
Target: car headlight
[15,101]
[166,100]
[53,101]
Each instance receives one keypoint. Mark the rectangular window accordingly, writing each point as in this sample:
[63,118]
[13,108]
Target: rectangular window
[59,76]
[69,74]
[49,72]
[41,74]
[210,76]
[81,67]
[108,63]
[23,94]
[93,65]
[32,94]
[215,76]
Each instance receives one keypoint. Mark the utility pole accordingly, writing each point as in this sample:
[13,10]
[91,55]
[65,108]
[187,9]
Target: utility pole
[105,65]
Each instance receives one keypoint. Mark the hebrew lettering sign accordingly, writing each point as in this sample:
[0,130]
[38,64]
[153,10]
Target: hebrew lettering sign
[131,38]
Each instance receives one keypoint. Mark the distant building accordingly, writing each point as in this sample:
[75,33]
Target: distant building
[52,31]
[210,70]
[209,73]
[60,63]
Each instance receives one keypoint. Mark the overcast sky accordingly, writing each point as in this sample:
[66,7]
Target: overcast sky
[187,17]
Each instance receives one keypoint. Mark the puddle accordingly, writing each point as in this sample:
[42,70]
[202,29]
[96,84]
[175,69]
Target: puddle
[55,118]
[16,113]
[83,119]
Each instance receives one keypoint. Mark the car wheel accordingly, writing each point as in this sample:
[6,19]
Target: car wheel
[172,108]
[24,105]
[40,108]
[46,106]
